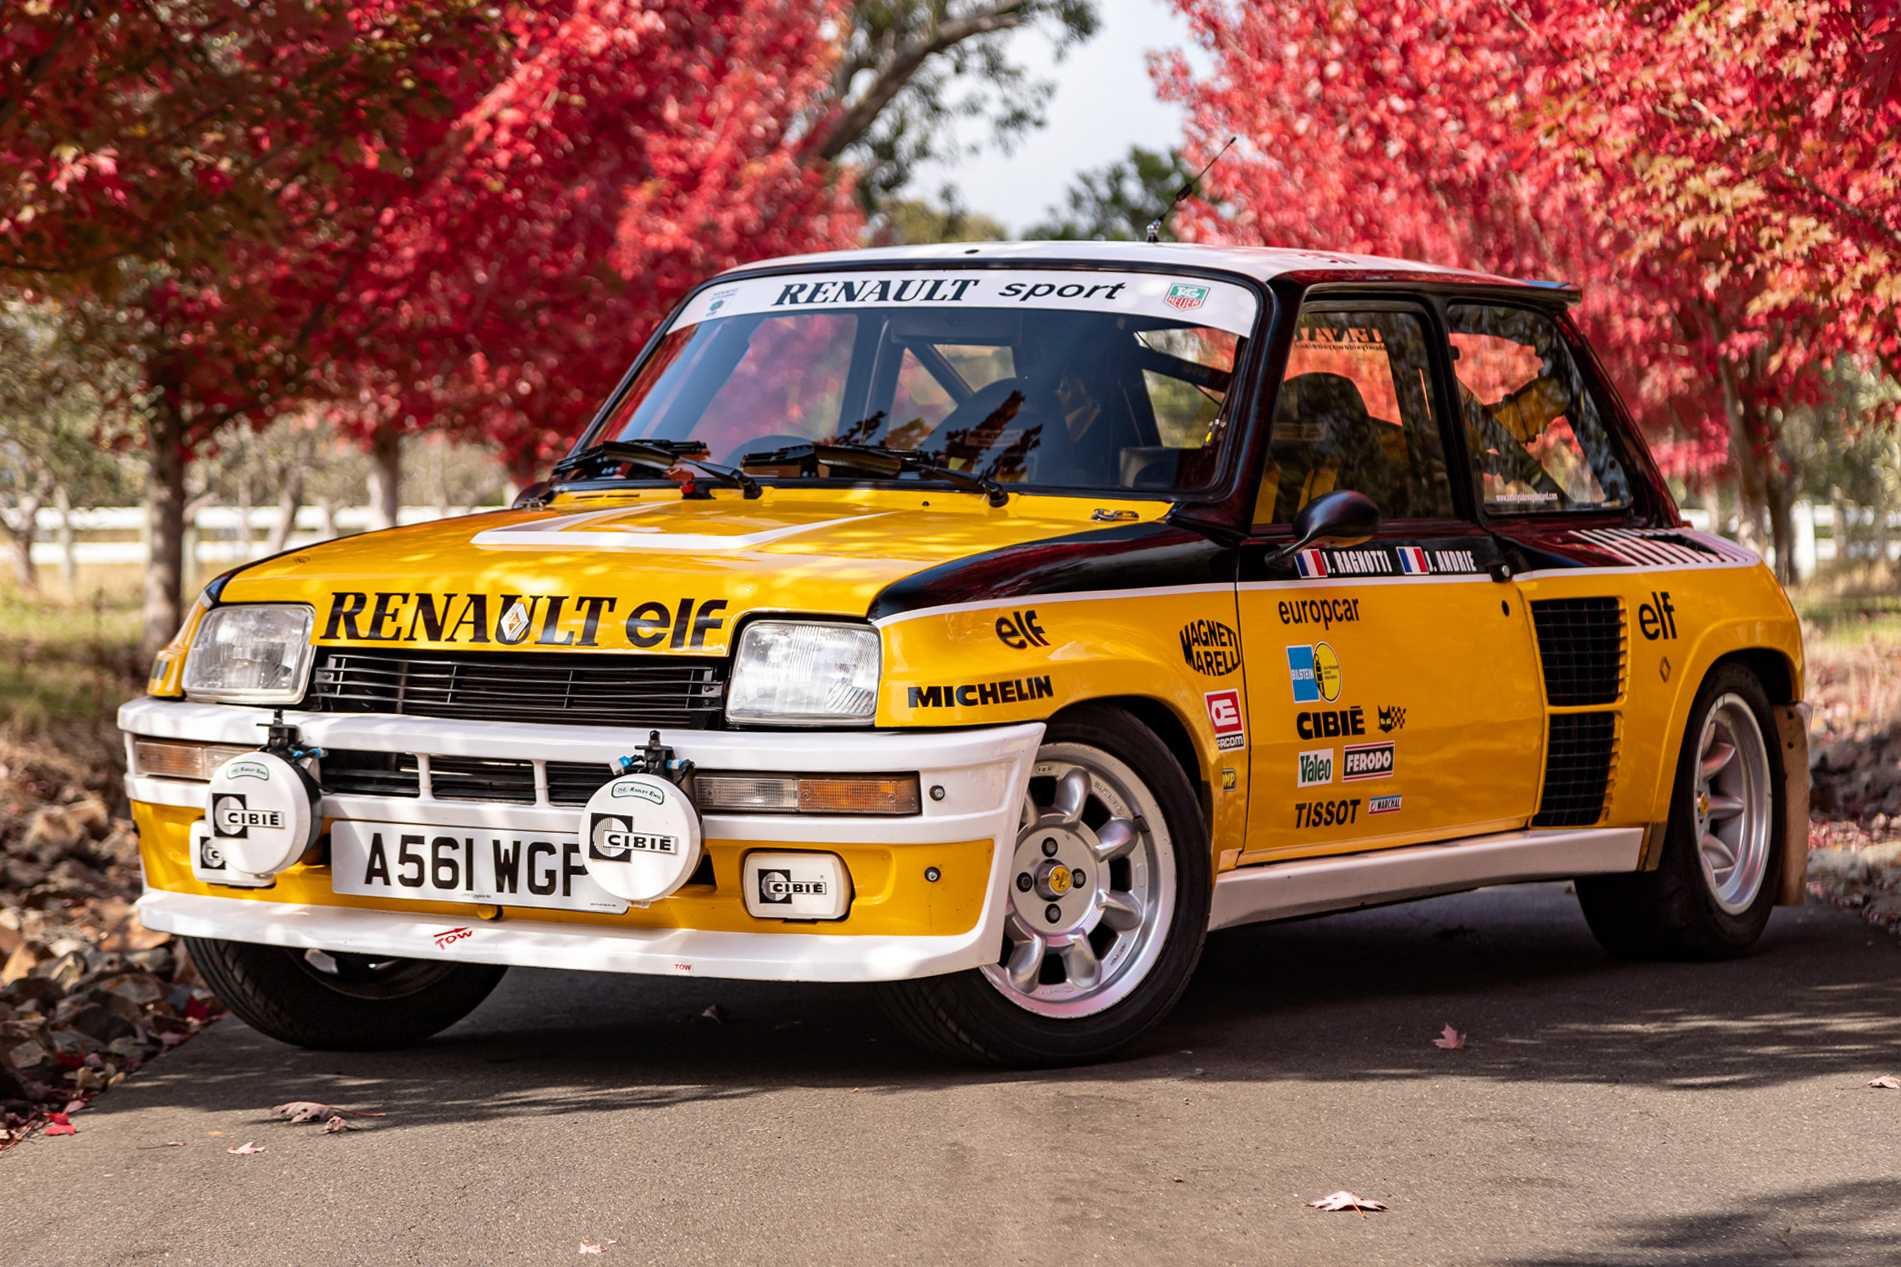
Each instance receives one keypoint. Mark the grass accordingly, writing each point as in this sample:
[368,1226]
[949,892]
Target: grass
[74,659]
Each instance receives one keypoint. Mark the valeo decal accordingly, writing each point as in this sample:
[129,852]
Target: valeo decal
[642,791]
[248,770]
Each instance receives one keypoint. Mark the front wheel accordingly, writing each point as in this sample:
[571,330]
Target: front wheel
[1108,907]
[1711,894]
[340,1002]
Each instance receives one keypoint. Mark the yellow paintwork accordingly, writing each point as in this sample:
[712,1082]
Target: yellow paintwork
[1460,657]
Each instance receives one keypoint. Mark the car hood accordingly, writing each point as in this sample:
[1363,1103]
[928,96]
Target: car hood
[648,571]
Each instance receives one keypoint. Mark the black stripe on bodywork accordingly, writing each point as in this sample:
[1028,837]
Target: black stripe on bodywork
[1139,556]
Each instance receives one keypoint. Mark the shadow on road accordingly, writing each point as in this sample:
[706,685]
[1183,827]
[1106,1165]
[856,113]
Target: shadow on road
[1355,997]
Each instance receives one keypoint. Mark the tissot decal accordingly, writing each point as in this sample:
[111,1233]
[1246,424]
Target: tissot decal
[1326,813]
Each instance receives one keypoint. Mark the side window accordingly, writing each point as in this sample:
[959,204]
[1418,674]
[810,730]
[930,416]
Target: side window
[1355,411]
[1538,443]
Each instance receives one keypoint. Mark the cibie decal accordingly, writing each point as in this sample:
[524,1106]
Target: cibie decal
[1383,805]
[613,839]
[1224,714]
[1366,761]
[778,888]
[1315,768]
[1314,672]
[233,819]
[1210,648]
[1186,296]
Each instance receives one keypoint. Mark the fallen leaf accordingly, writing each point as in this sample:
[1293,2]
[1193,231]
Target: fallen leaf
[1886,1082]
[1451,1040]
[170,1143]
[336,1125]
[58,1125]
[245,1151]
[73,1106]
[1346,1201]
[311,1111]
[591,1249]
[713,1015]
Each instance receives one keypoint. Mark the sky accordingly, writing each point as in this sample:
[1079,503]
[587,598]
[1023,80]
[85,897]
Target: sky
[1104,103]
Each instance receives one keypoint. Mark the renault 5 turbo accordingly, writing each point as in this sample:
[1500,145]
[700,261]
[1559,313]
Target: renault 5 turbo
[987,624]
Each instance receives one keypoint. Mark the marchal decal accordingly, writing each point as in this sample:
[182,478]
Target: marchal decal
[1186,296]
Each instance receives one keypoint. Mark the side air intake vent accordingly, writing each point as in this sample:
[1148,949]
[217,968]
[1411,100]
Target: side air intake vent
[1578,760]
[1581,646]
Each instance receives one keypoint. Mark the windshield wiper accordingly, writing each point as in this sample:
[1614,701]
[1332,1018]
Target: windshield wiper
[662,454]
[879,461]
[732,477]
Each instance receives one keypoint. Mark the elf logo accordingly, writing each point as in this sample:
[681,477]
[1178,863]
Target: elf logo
[1019,630]
[1657,618]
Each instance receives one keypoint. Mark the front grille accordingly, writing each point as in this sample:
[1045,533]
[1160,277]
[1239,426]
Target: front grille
[573,782]
[661,691]
[1578,760]
[369,773]
[1581,646]
[482,779]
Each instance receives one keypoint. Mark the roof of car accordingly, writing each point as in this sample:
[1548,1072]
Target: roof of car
[1263,263]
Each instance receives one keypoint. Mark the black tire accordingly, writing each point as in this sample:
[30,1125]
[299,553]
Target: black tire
[367,1004]
[1672,912]
[965,1016]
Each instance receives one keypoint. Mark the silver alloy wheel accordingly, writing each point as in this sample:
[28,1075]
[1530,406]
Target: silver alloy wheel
[1733,804]
[1092,889]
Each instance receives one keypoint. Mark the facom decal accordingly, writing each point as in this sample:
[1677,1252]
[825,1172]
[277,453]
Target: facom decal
[1657,618]
[1391,719]
[1331,723]
[1366,761]
[1019,630]
[645,791]
[1210,648]
[1315,768]
[1186,296]
[1325,612]
[1314,672]
[1224,714]
[1326,813]
[1382,805]
[976,694]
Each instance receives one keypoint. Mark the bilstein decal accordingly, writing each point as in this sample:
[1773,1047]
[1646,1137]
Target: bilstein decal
[1210,648]
[509,620]
[976,694]
[1314,673]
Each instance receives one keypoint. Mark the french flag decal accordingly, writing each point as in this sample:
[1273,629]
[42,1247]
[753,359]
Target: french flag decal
[1310,563]
[1412,560]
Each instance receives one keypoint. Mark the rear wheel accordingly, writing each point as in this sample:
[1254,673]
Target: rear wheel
[340,1002]
[1109,892]
[1711,894]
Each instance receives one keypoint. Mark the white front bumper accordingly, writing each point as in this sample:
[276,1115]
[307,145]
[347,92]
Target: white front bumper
[984,774]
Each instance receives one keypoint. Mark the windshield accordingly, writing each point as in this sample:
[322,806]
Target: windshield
[1066,379]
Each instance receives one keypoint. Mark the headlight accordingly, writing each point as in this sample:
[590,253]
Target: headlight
[797,673]
[250,654]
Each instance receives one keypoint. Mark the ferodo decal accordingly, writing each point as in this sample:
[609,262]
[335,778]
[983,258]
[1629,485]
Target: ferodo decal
[1224,714]
[545,620]
[1210,648]
[1657,618]
[1019,630]
[1314,673]
[1366,761]
[1315,768]
[1329,723]
[976,694]
[1325,612]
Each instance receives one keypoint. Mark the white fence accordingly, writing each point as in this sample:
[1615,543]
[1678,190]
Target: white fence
[115,534]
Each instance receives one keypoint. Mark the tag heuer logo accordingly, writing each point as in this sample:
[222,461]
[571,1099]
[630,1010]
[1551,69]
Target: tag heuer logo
[1185,296]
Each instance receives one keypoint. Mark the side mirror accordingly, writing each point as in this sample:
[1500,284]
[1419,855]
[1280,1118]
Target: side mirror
[1339,518]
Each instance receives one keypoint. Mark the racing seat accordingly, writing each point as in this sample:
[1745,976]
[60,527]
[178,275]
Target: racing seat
[1323,439]
[987,423]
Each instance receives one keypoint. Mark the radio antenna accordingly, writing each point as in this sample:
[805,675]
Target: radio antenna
[1155,225]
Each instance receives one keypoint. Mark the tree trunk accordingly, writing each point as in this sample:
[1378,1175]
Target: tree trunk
[326,519]
[288,503]
[165,513]
[1881,538]
[24,534]
[386,477]
[68,556]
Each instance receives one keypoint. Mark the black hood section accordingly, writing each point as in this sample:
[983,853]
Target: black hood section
[1140,556]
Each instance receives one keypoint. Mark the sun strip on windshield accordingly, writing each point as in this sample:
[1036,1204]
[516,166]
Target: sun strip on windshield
[1197,301]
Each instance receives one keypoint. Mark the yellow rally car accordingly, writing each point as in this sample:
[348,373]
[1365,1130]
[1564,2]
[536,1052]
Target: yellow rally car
[989,622]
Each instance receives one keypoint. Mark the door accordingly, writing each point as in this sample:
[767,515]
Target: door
[1392,687]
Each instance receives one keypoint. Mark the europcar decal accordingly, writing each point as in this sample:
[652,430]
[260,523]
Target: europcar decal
[1222,305]
[1325,612]
[564,620]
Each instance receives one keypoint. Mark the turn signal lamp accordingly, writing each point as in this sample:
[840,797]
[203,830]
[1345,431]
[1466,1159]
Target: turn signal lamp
[169,759]
[806,794]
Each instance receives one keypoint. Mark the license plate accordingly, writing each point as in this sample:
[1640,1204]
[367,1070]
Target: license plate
[466,864]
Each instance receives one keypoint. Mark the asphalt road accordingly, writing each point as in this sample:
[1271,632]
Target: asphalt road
[1602,1113]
